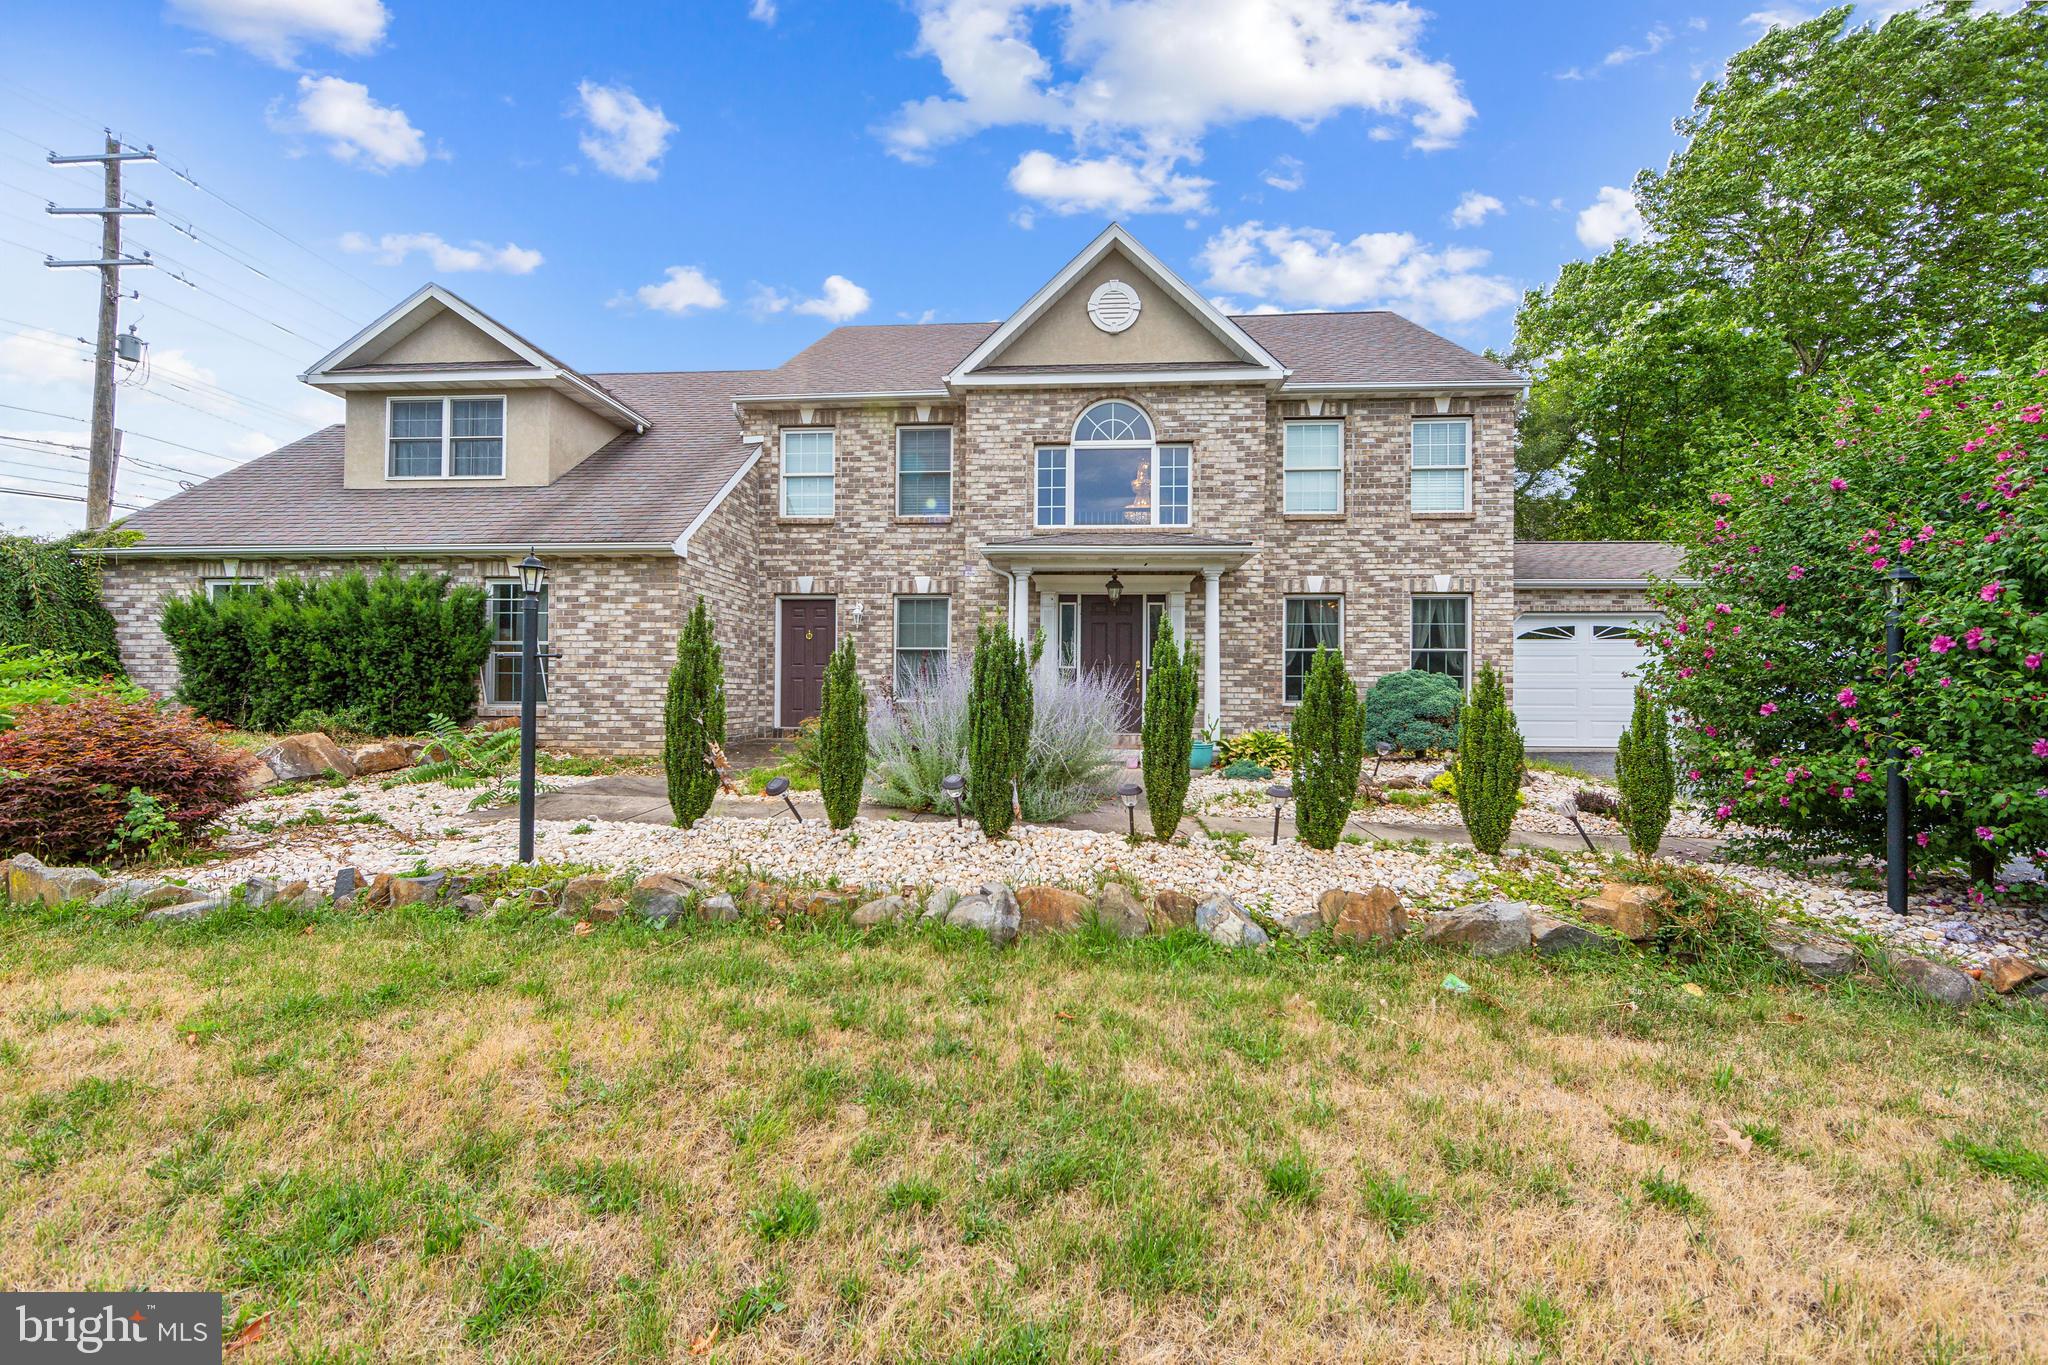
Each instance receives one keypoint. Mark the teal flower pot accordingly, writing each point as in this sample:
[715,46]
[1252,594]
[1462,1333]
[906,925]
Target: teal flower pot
[1201,755]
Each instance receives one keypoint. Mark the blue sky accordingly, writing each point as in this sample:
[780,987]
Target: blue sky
[714,185]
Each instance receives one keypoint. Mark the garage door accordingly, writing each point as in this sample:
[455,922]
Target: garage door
[1575,679]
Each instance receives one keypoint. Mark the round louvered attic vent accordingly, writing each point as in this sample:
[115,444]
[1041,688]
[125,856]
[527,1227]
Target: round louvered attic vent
[1113,306]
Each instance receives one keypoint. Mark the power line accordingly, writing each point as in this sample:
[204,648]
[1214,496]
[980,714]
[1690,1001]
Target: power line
[126,431]
[189,229]
[240,308]
[63,497]
[67,449]
[159,301]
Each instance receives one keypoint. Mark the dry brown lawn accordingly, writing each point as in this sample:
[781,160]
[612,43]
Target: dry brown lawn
[411,1138]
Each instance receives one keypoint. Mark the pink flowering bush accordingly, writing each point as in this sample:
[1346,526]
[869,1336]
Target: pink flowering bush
[1772,656]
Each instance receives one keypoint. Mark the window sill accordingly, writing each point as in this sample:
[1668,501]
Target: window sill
[1444,516]
[1119,526]
[908,519]
[1313,516]
[804,521]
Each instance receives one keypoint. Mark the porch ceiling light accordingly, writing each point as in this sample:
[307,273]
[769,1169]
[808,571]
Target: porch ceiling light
[1114,587]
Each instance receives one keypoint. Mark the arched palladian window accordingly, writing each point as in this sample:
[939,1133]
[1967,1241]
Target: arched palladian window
[1113,473]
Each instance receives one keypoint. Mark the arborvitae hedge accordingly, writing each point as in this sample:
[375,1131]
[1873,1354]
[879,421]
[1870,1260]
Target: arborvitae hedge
[1489,763]
[1169,727]
[842,738]
[999,706]
[1329,745]
[390,651]
[693,719]
[50,598]
[1645,773]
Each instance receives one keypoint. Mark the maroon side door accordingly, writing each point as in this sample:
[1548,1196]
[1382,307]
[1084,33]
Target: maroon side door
[1112,642]
[807,639]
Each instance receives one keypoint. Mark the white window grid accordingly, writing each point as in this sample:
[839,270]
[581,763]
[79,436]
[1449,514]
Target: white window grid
[924,627]
[448,437]
[924,471]
[507,606]
[809,458]
[1115,425]
[1440,476]
[1312,467]
[1440,636]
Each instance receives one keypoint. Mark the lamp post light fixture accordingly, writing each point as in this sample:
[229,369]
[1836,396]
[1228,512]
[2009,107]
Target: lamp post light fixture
[1114,587]
[1568,807]
[1130,791]
[779,786]
[1279,794]
[953,784]
[1895,809]
[533,576]
[1382,749]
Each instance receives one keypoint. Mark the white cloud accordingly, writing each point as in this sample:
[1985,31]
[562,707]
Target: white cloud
[276,30]
[626,135]
[687,289]
[1653,43]
[841,299]
[358,130]
[1286,173]
[1106,184]
[1780,16]
[1473,209]
[393,247]
[1696,24]
[1609,218]
[1311,268]
[1142,83]
[762,11]
[43,358]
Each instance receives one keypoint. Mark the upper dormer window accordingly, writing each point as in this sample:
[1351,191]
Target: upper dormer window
[1113,474]
[446,438]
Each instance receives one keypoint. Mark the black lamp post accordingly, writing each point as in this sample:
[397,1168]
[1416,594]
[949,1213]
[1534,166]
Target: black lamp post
[953,784]
[1279,794]
[1895,809]
[1129,792]
[532,577]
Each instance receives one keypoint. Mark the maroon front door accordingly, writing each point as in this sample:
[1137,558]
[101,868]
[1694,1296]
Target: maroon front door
[807,641]
[1112,642]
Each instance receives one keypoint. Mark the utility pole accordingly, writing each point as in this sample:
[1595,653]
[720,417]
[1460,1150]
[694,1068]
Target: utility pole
[99,479]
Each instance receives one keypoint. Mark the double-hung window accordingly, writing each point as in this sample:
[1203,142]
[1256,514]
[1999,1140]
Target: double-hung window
[1311,623]
[221,589]
[446,438]
[807,459]
[1114,473]
[1313,467]
[921,641]
[1440,478]
[508,620]
[924,471]
[1439,639]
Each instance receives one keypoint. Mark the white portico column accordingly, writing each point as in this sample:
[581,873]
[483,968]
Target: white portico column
[1212,646]
[1020,600]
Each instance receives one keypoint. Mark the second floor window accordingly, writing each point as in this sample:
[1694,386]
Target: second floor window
[1114,474]
[1441,479]
[924,471]
[446,438]
[807,458]
[1313,467]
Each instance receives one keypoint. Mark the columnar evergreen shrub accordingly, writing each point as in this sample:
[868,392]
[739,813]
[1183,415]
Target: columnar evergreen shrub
[394,651]
[1170,701]
[1644,772]
[693,718]
[999,709]
[50,598]
[1414,710]
[1490,763]
[1329,744]
[842,738]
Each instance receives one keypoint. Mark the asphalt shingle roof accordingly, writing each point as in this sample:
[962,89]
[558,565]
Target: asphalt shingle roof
[1595,561]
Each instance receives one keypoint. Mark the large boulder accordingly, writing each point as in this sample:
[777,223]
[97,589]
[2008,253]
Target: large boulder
[385,756]
[1935,981]
[2009,973]
[1821,958]
[580,893]
[993,910]
[144,893]
[1374,915]
[31,882]
[1045,909]
[661,897]
[1549,935]
[1221,920]
[1630,910]
[1170,910]
[299,758]
[1121,911]
[884,910]
[1492,929]
[719,909]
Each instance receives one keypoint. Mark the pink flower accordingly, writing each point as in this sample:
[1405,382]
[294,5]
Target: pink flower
[1853,723]
[1973,637]
[1921,839]
[1847,697]
[1784,800]
[1685,672]
[1720,499]
[2033,661]
[1879,562]
[1941,644]
[1723,608]
[1989,592]
[1795,573]
[1770,480]
[1769,708]
[1778,611]
[2041,748]
[1838,484]
[1723,811]
[1984,833]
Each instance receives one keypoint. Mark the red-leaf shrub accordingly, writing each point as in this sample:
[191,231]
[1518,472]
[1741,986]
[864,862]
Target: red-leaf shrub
[66,771]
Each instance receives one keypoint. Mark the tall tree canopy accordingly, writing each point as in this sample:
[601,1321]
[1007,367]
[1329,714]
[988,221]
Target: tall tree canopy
[1844,196]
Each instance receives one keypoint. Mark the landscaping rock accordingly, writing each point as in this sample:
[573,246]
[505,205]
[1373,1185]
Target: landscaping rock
[417,890]
[1050,910]
[258,892]
[1374,915]
[1170,910]
[1119,909]
[818,903]
[474,906]
[385,757]
[255,775]
[1221,920]
[31,882]
[719,909]
[143,893]
[346,881]
[1632,911]
[1305,922]
[1822,958]
[298,758]
[1493,929]
[1935,981]
[884,910]
[376,895]
[580,893]
[941,902]
[993,910]
[185,911]
[662,897]
[2008,974]
[1549,935]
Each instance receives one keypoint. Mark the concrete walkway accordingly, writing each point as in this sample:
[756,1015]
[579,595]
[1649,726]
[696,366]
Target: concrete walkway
[644,800]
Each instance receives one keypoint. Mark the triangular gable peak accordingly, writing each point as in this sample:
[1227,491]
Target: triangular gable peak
[1116,312]
[438,339]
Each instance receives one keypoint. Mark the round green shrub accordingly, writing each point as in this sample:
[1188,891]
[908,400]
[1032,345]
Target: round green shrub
[1416,712]
[1244,770]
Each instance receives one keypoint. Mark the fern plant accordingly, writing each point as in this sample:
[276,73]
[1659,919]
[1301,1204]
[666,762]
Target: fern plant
[470,759]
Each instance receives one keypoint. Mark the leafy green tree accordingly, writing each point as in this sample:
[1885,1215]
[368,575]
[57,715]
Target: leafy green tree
[1329,745]
[1644,773]
[842,738]
[1843,196]
[694,718]
[1169,728]
[1490,767]
[998,727]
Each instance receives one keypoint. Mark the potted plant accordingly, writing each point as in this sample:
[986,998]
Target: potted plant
[1203,752]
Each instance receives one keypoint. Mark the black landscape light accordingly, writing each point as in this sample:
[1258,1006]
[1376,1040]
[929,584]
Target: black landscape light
[533,577]
[779,786]
[1568,807]
[1895,809]
[1279,794]
[953,784]
[1130,791]
[1383,748]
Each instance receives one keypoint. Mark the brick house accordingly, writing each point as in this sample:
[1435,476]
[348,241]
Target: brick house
[1116,453]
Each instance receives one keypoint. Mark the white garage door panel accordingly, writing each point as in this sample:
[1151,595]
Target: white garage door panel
[1574,692]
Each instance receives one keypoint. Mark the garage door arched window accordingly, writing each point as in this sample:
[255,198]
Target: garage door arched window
[1114,473]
